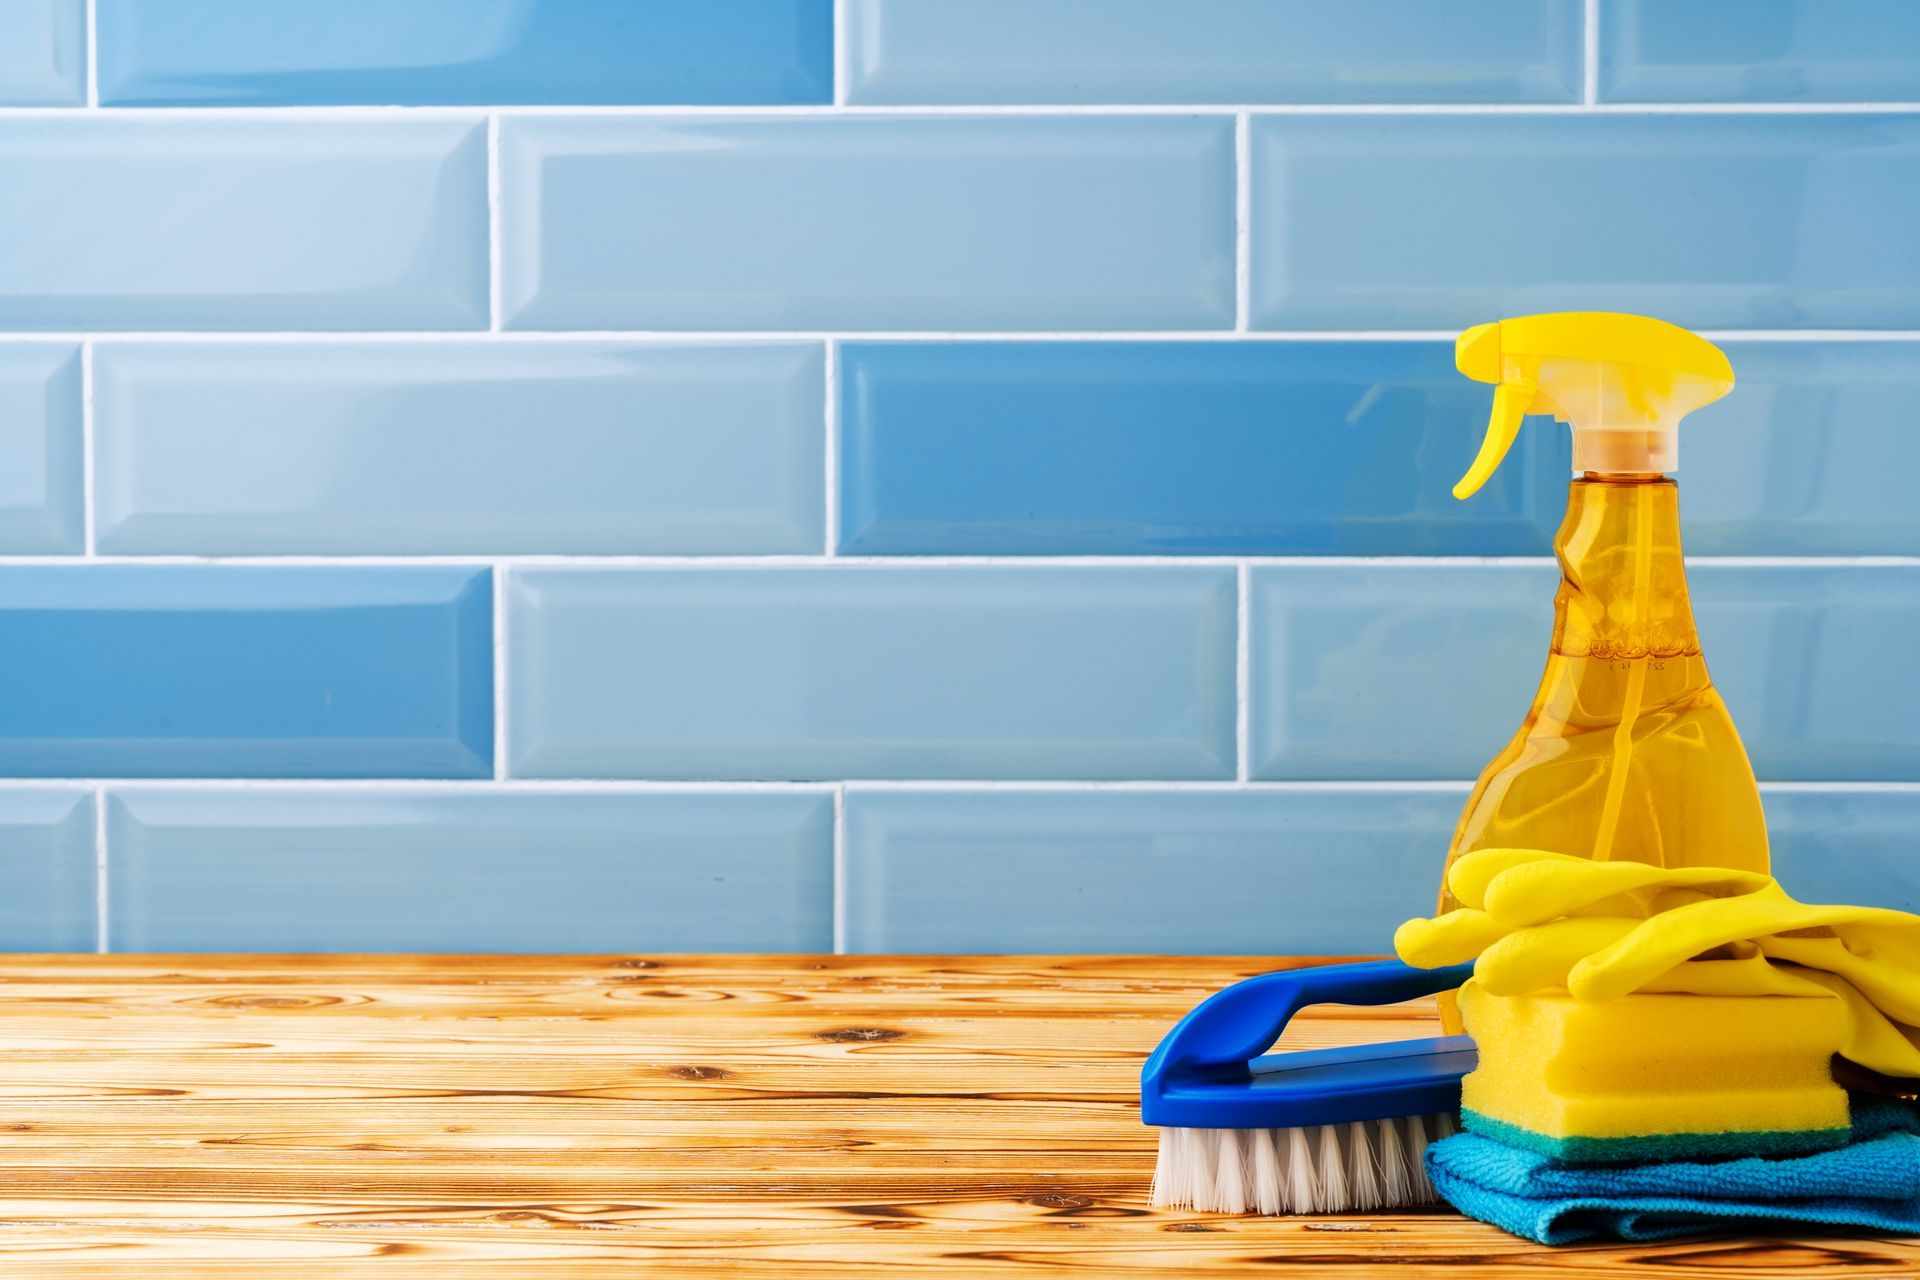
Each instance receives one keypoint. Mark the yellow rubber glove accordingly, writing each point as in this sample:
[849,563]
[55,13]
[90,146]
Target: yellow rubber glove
[1535,920]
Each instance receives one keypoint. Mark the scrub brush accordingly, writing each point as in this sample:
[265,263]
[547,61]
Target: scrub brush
[1316,1131]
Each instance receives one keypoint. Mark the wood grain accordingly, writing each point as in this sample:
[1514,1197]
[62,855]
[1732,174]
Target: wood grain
[690,1116]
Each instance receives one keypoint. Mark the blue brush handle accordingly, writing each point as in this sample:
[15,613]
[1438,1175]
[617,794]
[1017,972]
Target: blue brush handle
[1198,1073]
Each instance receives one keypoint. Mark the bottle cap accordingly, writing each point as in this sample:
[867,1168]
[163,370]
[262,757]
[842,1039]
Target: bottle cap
[1622,381]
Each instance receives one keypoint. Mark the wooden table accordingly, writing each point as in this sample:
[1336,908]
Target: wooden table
[683,1116]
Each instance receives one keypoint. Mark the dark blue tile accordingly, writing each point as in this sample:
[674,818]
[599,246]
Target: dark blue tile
[426,52]
[1179,447]
[220,671]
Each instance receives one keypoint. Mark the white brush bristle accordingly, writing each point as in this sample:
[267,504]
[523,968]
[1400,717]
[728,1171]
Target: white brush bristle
[1366,1165]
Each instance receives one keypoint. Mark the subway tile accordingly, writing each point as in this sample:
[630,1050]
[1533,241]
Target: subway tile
[466,446]
[1846,845]
[1217,872]
[1293,872]
[40,448]
[872,672]
[429,52]
[46,870]
[1071,448]
[1119,51]
[1713,221]
[245,671]
[1425,671]
[43,53]
[276,869]
[1812,454]
[867,223]
[1392,671]
[225,223]
[1759,51]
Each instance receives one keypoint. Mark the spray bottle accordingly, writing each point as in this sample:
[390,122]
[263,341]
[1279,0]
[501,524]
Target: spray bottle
[1627,751]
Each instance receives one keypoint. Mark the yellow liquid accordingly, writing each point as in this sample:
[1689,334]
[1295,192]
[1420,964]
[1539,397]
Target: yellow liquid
[1627,751]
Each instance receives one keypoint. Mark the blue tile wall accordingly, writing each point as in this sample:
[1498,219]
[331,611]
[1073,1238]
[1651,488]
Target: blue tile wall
[1759,51]
[428,52]
[238,449]
[218,671]
[583,475]
[43,53]
[872,673]
[1714,221]
[47,877]
[41,502]
[1410,671]
[115,222]
[1111,51]
[403,870]
[939,223]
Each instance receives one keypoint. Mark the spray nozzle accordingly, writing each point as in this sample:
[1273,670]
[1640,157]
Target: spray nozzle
[1623,382]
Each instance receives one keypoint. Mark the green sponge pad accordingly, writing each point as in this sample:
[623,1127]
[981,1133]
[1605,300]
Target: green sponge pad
[1662,1076]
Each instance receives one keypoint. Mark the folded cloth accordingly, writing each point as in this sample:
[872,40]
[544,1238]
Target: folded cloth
[1872,1182]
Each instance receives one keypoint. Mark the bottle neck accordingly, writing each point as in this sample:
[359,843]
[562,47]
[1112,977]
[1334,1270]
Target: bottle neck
[1623,590]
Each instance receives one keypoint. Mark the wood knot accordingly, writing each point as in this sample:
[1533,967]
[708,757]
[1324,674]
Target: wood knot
[1059,1200]
[637,964]
[272,1002]
[699,1073]
[1190,1226]
[859,1035]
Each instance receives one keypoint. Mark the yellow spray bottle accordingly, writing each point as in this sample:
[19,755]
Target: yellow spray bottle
[1627,751]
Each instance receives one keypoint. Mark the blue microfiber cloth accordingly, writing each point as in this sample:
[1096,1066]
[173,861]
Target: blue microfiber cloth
[1874,1182]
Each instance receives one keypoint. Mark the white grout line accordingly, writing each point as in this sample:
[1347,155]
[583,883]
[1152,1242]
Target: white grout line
[669,337]
[89,468]
[1242,677]
[906,562]
[1242,222]
[840,869]
[494,313]
[1037,110]
[831,518]
[499,672]
[639,787]
[1590,55]
[841,52]
[93,55]
[100,868]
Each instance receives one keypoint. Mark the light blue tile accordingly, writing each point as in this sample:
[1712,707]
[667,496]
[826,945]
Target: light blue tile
[1844,845]
[867,223]
[246,672]
[1081,448]
[423,52]
[1813,453]
[1712,221]
[43,53]
[1179,873]
[1392,671]
[46,870]
[872,672]
[397,870]
[40,462]
[1117,51]
[217,223]
[1423,671]
[1759,51]
[245,448]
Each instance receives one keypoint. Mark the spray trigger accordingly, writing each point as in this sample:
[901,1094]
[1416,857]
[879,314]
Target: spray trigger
[1511,400]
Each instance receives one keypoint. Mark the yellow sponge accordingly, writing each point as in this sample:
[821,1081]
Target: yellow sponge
[1655,1076]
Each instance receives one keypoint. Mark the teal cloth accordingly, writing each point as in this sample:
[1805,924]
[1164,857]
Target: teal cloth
[1872,1182]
